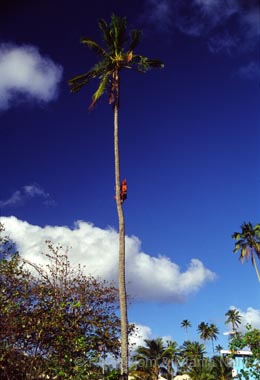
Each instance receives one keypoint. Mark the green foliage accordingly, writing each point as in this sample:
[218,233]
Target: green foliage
[117,54]
[234,318]
[248,243]
[53,318]
[249,340]
[168,360]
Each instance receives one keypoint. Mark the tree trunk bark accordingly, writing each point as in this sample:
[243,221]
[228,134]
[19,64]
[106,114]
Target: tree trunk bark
[121,261]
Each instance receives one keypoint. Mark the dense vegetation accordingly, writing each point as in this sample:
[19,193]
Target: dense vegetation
[54,321]
[57,323]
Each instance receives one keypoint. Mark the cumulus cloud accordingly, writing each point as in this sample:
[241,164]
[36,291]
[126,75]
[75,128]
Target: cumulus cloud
[26,75]
[25,193]
[250,316]
[138,337]
[226,26]
[149,278]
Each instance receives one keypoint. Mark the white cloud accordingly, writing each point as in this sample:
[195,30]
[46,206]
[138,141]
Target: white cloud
[250,316]
[25,75]
[25,193]
[138,337]
[148,278]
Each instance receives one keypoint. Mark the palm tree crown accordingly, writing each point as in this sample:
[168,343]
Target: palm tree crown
[117,54]
[248,243]
[185,324]
[234,318]
[150,357]
[208,332]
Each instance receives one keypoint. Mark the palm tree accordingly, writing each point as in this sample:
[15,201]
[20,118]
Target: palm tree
[234,318]
[150,357]
[218,348]
[213,333]
[248,243]
[114,57]
[170,358]
[221,368]
[208,332]
[185,324]
[192,354]
[203,330]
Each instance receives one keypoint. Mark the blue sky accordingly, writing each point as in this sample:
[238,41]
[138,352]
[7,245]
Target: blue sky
[189,138]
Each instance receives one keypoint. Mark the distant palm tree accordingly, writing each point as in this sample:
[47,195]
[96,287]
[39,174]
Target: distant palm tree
[234,318]
[208,332]
[211,369]
[192,354]
[201,371]
[170,358]
[150,357]
[203,330]
[213,333]
[221,368]
[117,54]
[248,243]
[218,348]
[185,324]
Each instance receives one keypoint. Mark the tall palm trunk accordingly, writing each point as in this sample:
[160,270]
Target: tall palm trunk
[121,261]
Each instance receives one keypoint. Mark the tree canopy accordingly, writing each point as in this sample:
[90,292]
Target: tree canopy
[53,319]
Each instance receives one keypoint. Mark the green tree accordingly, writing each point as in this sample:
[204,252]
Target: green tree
[248,243]
[150,358]
[221,368]
[186,324]
[208,332]
[219,348]
[53,321]
[233,318]
[203,330]
[118,53]
[170,358]
[215,368]
[250,339]
[192,355]
[213,333]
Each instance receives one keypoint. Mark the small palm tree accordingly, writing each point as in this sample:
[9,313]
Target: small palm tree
[219,348]
[149,357]
[248,243]
[234,318]
[192,354]
[213,333]
[221,368]
[203,330]
[117,54]
[208,332]
[170,358]
[186,324]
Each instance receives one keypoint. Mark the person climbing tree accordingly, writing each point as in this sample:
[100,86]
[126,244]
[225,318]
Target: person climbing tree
[123,191]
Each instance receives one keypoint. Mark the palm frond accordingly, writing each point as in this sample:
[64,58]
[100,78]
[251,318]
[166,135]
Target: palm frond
[106,32]
[144,63]
[136,36]
[236,235]
[92,45]
[100,91]
[118,31]
[79,81]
